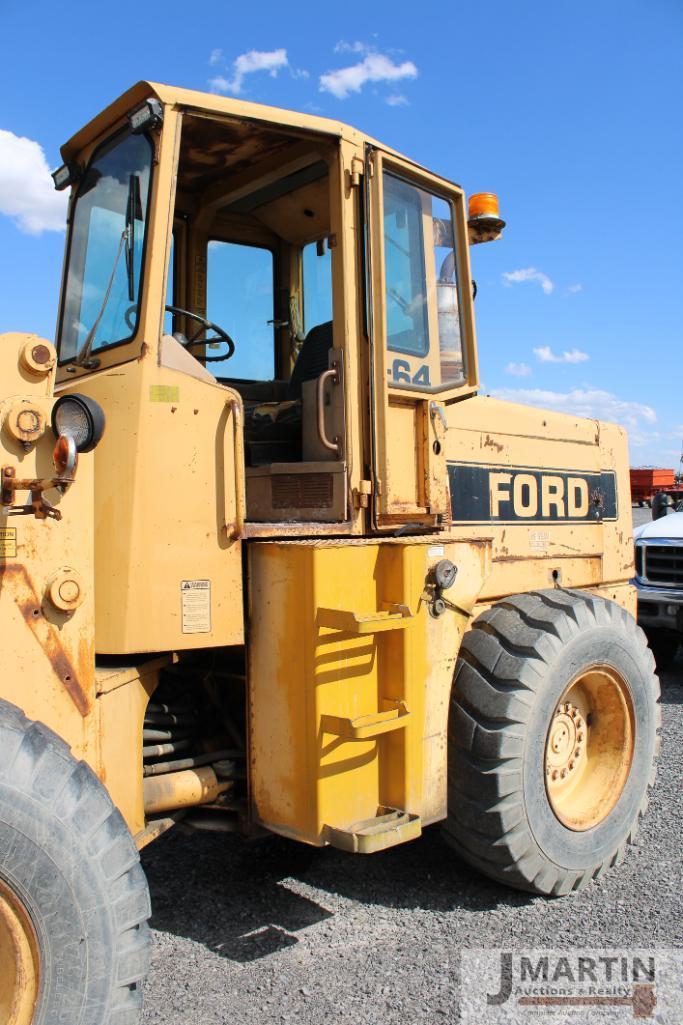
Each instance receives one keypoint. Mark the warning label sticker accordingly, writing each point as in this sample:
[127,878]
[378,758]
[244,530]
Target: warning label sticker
[8,542]
[195,600]
[539,540]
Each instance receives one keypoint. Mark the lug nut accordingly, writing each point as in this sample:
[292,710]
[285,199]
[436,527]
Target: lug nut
[563,773]
[555,774]
[579,736]
[571,765]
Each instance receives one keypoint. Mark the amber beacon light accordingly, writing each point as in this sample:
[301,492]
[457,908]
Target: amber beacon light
[484,220]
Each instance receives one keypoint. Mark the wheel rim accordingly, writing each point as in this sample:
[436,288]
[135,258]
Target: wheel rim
[19,961]
[589,748]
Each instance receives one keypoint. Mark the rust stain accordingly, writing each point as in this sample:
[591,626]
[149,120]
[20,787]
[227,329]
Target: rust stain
[144,351]
[490,442]
[29,604]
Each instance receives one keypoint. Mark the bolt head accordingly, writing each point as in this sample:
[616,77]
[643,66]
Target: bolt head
[69,591]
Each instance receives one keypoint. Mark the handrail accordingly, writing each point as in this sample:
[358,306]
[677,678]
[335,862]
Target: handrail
[238,451]
[328,375]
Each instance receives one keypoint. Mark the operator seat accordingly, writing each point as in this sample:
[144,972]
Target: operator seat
[312,360]
[272,430]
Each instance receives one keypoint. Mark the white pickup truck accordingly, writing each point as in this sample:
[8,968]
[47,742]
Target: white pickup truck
[659,579]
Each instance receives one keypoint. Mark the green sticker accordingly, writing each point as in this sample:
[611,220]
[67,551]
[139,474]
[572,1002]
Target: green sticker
[164,393]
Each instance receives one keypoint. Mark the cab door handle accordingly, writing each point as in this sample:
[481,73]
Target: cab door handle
[328,375]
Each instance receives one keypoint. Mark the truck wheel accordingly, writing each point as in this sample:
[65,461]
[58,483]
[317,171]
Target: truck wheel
[74,903]
[552,740]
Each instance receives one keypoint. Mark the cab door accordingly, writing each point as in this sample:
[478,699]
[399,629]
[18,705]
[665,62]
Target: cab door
[423,352]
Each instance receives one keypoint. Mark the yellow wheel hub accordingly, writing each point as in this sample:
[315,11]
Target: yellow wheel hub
[19,961]
[589,748]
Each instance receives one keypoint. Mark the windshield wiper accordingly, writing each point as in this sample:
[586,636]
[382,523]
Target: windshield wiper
[133,210]
[133,213]
[83,355]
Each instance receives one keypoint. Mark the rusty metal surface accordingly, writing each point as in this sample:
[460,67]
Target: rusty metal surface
[44,632]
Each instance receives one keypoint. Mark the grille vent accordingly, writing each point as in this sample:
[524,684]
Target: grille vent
[664,564]
[302,491]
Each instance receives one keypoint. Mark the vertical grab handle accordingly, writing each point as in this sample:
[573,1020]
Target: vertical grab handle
[237,529]
[328,375]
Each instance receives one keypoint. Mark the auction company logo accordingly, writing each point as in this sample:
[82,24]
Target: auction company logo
[579,986]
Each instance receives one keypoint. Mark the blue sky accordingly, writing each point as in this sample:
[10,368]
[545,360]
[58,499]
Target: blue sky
[570,111]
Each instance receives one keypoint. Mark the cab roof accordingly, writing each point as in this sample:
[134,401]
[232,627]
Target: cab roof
[190,99]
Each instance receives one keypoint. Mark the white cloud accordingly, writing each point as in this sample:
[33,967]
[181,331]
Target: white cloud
[514,277]
[575,288]
[593,403]
[247,64]
[397,100]
[27,192]
[215,57]
[518,369]
[375,67]
[343,47]
[546,355]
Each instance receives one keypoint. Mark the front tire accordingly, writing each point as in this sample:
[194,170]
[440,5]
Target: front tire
[552,739]
[74,903]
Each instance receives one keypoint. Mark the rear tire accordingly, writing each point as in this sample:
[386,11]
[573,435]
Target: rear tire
[530,669]
[74,901]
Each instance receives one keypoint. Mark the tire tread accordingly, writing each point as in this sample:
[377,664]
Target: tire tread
[36,761]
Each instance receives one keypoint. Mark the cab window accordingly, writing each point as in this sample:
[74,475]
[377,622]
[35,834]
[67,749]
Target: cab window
[406,285]
[240,299]
[106,245]
[421,288]
[317,284]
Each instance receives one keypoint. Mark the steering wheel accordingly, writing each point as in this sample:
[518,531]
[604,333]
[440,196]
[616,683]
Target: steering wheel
[203,325]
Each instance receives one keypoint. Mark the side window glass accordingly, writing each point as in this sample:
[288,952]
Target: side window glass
[240,299]
[447,305]
[406,285]
[421,288]
[317,282]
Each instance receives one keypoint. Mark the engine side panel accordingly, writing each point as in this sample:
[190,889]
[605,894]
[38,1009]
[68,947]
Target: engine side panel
[551,490]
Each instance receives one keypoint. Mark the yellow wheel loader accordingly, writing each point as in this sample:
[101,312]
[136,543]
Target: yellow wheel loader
[269,562]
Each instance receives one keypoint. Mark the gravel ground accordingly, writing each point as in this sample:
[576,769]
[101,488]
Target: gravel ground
[269,932]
